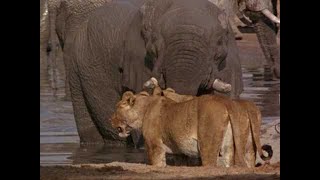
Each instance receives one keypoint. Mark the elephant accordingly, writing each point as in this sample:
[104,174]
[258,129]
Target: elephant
[191,44]
[111,52]
[44,36]
[262,15]
[60,18]
[264,23]
[58,21]
[104,58]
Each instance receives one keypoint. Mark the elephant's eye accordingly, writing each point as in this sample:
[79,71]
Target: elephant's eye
[119,129]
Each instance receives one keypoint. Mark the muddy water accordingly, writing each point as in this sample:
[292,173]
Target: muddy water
[59,141]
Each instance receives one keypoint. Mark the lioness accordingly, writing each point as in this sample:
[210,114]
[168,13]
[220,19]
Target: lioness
[249,121]
[195,127]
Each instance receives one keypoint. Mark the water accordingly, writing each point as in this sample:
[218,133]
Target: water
[59,141]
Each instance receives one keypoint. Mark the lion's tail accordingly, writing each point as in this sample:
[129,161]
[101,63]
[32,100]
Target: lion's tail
[268,149]
[255,123]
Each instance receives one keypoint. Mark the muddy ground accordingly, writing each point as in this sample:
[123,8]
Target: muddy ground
[117,170]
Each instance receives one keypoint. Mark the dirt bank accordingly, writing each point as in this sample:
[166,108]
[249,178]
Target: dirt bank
[117,170]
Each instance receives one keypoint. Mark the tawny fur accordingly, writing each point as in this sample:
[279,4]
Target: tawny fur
[248,122]
[193,128]
[198,126]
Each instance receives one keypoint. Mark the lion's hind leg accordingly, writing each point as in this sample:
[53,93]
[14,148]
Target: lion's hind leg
[227,148]
[211,127]
[251,150]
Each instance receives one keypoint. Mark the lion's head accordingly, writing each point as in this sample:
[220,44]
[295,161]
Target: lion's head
[129,112]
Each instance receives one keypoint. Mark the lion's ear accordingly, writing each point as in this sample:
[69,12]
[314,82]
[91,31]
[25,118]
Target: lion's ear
[127,95]
[128,98]
[144,93]
[170,90]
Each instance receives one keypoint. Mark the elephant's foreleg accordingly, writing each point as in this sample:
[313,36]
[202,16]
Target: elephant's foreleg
[268,41]
[87,130]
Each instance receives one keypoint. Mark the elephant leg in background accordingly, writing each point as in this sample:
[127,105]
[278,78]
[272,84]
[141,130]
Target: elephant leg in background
[54,68]
[52,48]
[86,128]
[267,37]
[45,87]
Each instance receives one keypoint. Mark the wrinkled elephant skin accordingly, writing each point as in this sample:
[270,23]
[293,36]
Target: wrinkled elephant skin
[192,45]
[105,58]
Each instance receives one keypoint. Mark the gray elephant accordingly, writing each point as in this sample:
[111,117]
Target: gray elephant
[191,44]
[262,15]
[108,56]
[47,82]
[58,21]
[264,22]
[104,59]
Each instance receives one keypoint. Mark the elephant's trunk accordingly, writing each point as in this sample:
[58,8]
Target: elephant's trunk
[271,16]
[185,62]
[267,38]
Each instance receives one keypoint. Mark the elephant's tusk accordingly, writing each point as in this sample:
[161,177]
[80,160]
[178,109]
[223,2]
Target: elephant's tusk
[221,86]
[151,83]
[154,81]
[271,16]
[243,18]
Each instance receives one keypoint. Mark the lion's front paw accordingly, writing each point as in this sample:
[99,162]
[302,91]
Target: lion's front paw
[160,164]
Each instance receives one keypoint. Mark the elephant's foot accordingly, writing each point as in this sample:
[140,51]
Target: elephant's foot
[221,86]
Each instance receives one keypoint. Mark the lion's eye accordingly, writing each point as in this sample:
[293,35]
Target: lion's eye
[119,129]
